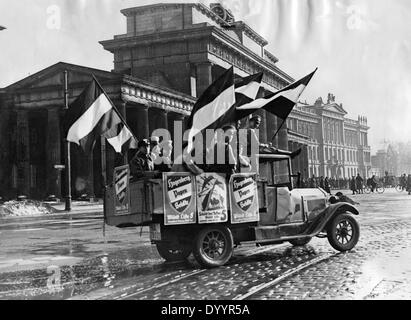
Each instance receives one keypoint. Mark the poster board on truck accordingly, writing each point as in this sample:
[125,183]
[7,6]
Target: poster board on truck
[244,198]
[122,190]
[179,199]
[212,198]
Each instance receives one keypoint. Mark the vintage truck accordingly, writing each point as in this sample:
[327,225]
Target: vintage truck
[210,214]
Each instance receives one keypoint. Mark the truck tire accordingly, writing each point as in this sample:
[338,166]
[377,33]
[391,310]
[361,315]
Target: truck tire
[172,253]
[300,242]
[343,232]
[213,246]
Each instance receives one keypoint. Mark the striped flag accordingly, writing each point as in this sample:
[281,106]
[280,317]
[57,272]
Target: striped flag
[280,103]
[212,105]
[92,115]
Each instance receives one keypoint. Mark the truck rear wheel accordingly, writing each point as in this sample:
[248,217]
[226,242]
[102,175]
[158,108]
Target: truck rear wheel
[213,246]
[172,253]
[343,232]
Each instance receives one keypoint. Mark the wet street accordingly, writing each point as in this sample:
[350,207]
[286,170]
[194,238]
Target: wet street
[69,257]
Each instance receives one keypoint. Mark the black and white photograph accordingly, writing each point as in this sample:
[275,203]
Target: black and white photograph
[231,151]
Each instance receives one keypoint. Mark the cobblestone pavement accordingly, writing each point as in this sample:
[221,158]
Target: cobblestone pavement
[378,268]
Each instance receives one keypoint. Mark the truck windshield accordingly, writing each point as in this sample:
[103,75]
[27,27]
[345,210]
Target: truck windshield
[281,174]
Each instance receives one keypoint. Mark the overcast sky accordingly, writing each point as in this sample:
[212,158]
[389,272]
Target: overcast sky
[361,47]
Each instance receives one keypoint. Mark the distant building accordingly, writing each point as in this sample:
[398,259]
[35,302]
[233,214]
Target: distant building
[395,159]
[333,145]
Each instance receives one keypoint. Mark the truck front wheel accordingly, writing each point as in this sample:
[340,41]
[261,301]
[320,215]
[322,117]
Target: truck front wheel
[213,246]
[343,232]
[172,253]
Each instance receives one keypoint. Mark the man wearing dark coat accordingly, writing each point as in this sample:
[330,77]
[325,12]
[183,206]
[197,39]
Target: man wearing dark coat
[359,183]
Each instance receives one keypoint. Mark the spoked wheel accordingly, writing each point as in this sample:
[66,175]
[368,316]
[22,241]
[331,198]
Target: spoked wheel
[343,232]
[380,189]
[213,246]
[367,190]
[300,242]
[172,253]
[399,188]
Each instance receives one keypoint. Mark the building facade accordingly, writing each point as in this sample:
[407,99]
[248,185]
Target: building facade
[170,54]
[333,145]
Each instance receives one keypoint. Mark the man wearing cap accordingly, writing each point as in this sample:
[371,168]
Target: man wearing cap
[142,161]
[263,148]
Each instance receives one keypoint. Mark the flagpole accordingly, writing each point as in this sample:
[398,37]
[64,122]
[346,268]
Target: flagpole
[103,161]
[278,130]
[67,148]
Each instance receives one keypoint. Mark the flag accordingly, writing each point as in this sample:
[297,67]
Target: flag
[213,104]
[280,103]
[124,140]
[92,115]
[246,91]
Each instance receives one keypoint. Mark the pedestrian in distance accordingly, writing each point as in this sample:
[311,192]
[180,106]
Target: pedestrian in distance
[373,183]
[359,183]
[327,185]
[353,185]
[409,184]
[322,186]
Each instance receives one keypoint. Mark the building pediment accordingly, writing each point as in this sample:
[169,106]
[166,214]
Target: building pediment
[335,108]
[54,76]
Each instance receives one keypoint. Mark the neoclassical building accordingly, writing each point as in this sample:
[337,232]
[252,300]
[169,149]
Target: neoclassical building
[333,145]
[169,55]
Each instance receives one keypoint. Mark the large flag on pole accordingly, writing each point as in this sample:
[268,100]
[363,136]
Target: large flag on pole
[213,104]
[92,115]
[280,103]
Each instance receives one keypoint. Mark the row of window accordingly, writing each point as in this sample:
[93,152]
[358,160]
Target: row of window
[333,132]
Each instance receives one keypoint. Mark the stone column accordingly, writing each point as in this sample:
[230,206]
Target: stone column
[53,153]
[304,156]
[182,118]
[204,77]
[143,130]
[23,153]
[5,167]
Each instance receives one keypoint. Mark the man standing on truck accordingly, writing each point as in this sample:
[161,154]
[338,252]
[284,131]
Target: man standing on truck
[254,146]
[142,161]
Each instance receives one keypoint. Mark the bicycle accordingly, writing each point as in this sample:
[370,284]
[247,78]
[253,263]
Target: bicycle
[379,188]
[400,188]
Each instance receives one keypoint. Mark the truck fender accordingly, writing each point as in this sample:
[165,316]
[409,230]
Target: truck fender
[342,207]
[337,209]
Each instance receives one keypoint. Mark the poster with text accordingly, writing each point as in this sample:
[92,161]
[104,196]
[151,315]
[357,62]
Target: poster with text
[212,198]
[179,199]
[121,185]
[244,198]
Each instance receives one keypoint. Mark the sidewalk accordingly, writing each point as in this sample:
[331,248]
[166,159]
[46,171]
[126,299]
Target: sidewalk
[77,208]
